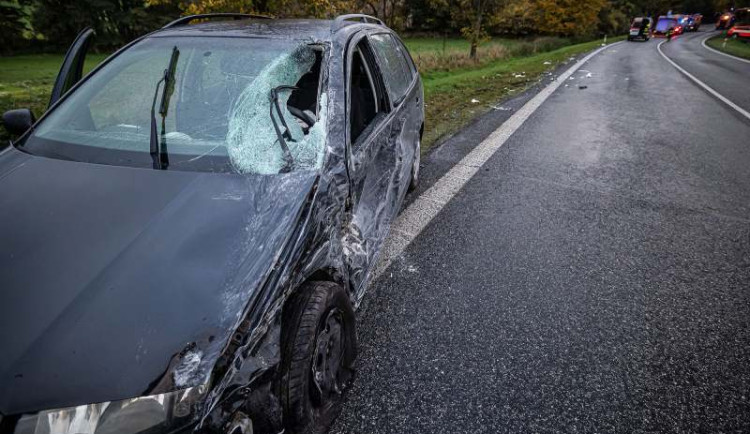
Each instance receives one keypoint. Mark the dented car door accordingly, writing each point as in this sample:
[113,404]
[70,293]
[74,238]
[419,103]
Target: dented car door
[372,162]
[405,92]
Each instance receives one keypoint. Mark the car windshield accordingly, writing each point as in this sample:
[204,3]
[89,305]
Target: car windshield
[216,114]
[637,22]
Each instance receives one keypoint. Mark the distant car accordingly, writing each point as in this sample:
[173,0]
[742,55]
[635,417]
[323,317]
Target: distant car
[665,24]
[697,21]
[741,27]
[690,25]
[682,19]
[725,21]
[640,28]
[187,229]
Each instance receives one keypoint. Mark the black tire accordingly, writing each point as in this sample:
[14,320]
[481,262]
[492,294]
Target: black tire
[312,381]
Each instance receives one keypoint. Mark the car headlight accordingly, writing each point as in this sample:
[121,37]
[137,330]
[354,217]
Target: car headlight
[155,413]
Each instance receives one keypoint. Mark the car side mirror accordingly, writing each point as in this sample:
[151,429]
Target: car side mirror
[18,121]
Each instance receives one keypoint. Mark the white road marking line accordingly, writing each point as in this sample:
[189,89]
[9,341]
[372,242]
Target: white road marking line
[410,223]
[703,42]
[710,90]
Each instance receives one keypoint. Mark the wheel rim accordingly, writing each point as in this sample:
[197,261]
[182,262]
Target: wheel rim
[328,357]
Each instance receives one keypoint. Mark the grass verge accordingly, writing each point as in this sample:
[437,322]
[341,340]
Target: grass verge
[436,54]
[454,98]
[26,81]
[731,46]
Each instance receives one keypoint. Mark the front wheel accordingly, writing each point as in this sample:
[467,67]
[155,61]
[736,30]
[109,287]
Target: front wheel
[319,346]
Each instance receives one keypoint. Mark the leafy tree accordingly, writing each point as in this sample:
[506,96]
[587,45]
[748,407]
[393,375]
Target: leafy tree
[515,17]
[567,17]
[114,21]
[192,7]
[118,21]
[285,8]
[615,17]
[472,18]
[428,15]
[15,28]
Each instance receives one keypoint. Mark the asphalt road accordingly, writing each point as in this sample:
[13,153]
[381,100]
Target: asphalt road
[594,276]
[726,75]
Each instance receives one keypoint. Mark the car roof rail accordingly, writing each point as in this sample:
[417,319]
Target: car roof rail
[236,16]
[342,20]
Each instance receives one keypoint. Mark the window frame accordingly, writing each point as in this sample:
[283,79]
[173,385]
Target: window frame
[399,47]
[370,77]
[407,56]
[376,79]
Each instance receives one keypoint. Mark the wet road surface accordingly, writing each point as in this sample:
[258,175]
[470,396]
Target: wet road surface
[728,76]
[594,276]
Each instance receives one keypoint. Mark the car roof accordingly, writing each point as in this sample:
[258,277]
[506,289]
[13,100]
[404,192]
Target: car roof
[302,29]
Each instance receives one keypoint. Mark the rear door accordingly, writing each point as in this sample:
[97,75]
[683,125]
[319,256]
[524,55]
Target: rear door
[384,105]
[372,160]
[405,92]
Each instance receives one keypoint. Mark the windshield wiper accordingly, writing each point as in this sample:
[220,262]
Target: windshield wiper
[288,159]
[158,150]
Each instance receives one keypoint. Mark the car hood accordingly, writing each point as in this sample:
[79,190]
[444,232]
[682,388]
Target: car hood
[111,275]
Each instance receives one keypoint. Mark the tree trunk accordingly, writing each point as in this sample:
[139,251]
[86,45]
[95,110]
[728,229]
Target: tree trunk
[475,34]
[374,10]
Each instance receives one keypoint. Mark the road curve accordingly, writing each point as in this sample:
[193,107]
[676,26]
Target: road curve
[591,277]
[727,75]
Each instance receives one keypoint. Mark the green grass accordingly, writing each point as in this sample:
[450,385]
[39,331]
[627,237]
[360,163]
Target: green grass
[451,79]
[449,94]
[436,54]
[26,81]
[431,45]
[732,46]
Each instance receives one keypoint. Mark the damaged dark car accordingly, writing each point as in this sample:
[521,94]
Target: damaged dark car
[188,230]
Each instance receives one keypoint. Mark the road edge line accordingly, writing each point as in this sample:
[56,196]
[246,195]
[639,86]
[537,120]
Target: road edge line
[710,90]
[410,223]
[731,56]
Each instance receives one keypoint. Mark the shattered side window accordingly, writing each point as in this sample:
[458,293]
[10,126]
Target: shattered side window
[218,114]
